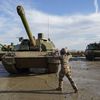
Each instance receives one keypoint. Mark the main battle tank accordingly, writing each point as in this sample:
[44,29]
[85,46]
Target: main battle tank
[32,53]
[92,51]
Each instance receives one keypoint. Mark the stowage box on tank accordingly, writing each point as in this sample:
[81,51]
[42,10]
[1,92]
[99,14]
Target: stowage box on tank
[32,53]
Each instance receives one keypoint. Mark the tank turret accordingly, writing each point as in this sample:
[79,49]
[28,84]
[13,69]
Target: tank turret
[39,44]
[21,13]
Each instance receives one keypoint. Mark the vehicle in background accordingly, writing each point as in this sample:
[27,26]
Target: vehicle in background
[92,51]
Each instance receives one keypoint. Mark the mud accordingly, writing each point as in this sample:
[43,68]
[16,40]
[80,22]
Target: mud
[86,75]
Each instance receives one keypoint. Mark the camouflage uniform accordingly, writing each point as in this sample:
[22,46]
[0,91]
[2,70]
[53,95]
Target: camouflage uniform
[65,71]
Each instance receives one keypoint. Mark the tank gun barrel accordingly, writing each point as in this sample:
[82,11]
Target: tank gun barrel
[21,13]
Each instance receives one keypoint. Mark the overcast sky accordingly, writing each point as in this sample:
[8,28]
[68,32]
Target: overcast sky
[69,23]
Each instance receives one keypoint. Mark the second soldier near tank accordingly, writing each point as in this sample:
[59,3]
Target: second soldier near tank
[65,70]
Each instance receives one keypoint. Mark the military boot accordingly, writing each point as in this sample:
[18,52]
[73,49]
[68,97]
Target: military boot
[60,87]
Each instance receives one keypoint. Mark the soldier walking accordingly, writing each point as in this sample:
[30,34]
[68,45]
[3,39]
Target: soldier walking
[65,70]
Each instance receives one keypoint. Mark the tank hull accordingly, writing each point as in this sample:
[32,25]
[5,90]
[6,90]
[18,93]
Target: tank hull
[19,61]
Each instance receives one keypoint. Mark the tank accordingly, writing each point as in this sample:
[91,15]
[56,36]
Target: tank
[92,51]
[32,53]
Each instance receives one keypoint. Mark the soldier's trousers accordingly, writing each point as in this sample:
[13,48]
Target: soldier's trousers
[68,75]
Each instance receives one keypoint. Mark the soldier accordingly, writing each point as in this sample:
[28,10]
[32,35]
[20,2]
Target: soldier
[65,70]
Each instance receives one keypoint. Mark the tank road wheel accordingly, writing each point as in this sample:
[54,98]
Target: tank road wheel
[53,64]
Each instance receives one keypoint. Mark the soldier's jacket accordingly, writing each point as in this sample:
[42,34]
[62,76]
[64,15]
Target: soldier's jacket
[65,67]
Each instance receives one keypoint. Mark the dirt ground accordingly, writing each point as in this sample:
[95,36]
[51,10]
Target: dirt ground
[86,74]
